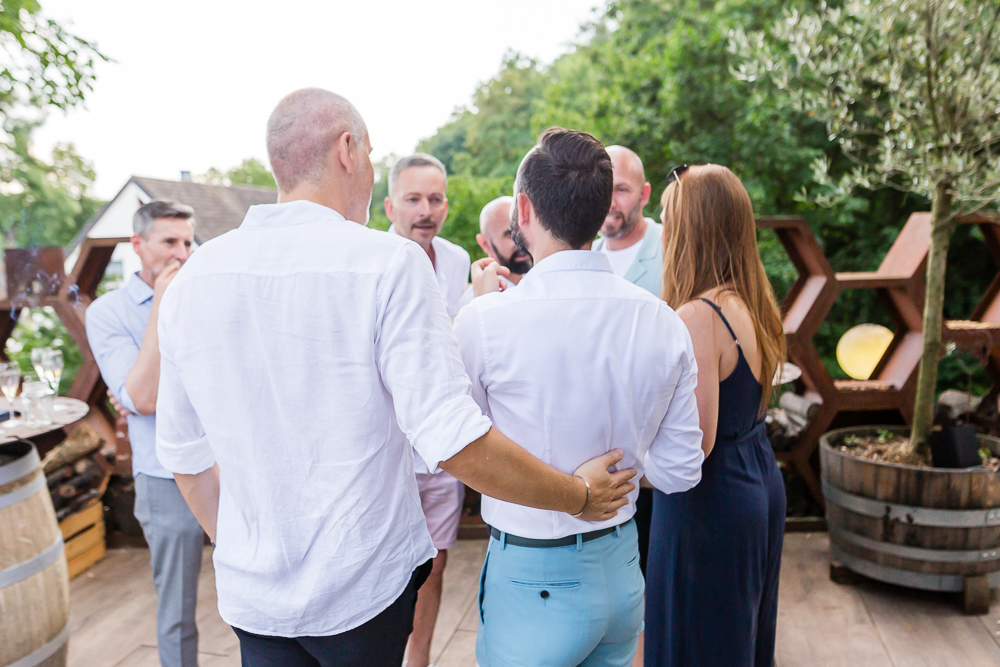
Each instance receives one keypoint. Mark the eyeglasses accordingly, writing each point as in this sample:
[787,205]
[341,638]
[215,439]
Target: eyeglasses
[675,173]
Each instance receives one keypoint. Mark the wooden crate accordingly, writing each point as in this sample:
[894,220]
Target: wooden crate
[83,534]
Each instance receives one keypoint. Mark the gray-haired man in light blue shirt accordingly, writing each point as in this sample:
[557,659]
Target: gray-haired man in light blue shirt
[121,330]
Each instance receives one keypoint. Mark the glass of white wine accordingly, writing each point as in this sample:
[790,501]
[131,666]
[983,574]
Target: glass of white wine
[38,355]
[52,369]
[10,380]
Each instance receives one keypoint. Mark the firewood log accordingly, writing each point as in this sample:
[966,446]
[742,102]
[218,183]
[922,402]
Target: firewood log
[80,443]
[60,476]
[77,504]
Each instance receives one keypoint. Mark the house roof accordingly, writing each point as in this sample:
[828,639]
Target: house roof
[217,208]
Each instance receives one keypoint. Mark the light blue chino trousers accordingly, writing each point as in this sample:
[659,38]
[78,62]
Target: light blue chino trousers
[561,607]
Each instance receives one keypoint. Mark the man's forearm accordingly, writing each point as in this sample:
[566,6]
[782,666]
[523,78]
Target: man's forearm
[144,377]
[201,492]
[497,467]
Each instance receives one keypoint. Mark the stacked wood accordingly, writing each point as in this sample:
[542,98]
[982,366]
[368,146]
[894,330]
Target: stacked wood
[77,473]
[81,442]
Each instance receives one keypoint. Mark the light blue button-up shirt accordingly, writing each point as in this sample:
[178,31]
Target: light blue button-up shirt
[116,324]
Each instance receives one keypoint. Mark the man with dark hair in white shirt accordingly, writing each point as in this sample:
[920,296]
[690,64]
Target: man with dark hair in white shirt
[302,359]
[574,362]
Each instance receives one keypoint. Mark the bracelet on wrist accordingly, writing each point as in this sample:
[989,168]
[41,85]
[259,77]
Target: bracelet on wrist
[586,503]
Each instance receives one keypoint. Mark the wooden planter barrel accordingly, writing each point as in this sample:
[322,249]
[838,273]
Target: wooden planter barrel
[34,585]
[934,529]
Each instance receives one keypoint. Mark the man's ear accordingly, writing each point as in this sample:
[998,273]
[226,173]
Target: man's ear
[525,210]
[136,241]
[481,240]
[344,149]
[390,210]
[646,190]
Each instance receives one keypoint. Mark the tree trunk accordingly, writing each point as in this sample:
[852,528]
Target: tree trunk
[923,409]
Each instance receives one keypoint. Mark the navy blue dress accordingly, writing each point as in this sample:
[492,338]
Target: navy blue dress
[715,551]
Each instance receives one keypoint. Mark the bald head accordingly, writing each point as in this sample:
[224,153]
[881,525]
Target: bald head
[495,217]
[495,239]
[302,130]
[624,224]
[627,163]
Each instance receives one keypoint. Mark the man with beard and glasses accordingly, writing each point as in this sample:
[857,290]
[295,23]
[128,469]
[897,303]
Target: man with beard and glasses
[417,205]
[495,239]
[575,361]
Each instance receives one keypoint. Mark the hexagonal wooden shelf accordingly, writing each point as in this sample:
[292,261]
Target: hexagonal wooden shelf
[899,282]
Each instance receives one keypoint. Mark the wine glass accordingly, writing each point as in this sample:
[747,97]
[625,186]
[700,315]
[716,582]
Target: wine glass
[52,367]
[38,360]
[10,380]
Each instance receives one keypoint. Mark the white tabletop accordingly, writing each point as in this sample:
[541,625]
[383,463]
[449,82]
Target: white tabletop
[75,411]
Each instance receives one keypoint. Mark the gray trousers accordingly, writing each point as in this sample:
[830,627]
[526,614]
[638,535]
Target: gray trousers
[175,545]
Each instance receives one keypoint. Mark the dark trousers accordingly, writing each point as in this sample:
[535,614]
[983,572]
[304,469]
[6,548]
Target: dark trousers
[380,642]
[643,517]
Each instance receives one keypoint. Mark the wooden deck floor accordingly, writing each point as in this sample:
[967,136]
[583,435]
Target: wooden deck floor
[821,624]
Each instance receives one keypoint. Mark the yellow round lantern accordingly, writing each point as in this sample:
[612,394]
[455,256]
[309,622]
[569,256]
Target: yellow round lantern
[861,348]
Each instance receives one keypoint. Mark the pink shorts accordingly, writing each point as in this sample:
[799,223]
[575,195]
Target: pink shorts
[441,497]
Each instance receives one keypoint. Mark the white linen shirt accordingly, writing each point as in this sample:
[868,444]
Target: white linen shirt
[452,264]
[303,352]
[575,362]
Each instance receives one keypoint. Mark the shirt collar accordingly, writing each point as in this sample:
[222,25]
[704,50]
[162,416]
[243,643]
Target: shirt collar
[287,214]
[571,260]
[138,289]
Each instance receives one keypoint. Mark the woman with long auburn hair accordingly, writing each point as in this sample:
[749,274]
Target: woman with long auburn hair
[715,551]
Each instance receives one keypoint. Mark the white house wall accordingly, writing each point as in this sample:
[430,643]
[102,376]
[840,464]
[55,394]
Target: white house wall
[116,221]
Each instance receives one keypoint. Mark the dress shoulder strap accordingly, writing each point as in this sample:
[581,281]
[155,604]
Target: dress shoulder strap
[724,320]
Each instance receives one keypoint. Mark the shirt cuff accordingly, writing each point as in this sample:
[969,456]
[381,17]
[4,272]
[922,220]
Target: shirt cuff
[126,400]
[449,429]
[189,458]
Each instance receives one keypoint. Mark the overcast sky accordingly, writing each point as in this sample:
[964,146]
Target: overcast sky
[193,81]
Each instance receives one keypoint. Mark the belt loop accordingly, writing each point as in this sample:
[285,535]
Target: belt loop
[618,530]
[579,541]
[503,540]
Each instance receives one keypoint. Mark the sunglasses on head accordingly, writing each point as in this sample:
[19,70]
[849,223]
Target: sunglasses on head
[675,173]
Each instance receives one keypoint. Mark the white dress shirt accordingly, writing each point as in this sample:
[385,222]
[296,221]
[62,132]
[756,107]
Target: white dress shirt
[303,353]
[575,362]
[452,264]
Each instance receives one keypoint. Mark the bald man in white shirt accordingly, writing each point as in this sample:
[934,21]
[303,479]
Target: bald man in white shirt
[303,357]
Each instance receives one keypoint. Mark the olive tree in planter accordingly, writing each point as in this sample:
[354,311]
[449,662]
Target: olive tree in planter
[910,91]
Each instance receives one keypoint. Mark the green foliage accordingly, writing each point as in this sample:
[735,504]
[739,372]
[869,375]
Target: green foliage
[249,172]
[46,202]
[44,64]
[491,138]
[41,327]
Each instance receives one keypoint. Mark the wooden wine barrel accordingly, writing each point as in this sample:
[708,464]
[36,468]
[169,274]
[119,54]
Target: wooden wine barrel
[929,528]
[34,586]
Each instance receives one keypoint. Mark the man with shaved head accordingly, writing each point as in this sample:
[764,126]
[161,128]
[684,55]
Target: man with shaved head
[302,355]
[495,239]
[632,244]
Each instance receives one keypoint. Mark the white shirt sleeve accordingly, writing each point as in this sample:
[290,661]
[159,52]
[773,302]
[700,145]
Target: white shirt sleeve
[181,443]
[420,363]
[470,342]
[673,462]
